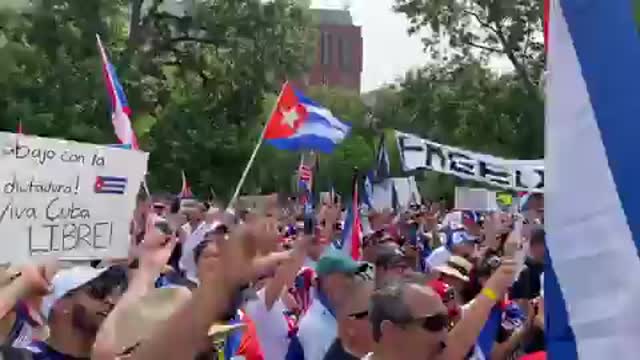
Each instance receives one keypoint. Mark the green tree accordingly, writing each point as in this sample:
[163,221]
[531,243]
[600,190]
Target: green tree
[196,80]
[483,28]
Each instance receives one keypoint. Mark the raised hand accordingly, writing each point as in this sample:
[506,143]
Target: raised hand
[158,243]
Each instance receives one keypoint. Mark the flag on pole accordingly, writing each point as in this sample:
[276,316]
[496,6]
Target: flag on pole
[591,140]
[20,130]
[305,180]
[299,123]
[185,192]
[352,233]
[367,195]
[383,167]
[120,110]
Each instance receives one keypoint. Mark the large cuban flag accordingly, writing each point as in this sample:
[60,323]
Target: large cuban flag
[299,123]
[592,194]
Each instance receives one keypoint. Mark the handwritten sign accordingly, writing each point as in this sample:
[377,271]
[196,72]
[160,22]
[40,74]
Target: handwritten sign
[67,199]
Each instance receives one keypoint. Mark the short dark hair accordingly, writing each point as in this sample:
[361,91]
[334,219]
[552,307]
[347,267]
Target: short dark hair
[387,303]
[197,251]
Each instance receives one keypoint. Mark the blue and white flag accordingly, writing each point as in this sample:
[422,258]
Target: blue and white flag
[367,195]
[383,167]
[592,194]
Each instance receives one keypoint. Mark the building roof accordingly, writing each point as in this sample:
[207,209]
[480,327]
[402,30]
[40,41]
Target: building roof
[332,16]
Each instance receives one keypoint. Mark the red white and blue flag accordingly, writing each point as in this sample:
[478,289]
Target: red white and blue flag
[591,127]
[120,110]
[352,233]
[185,191]
[298,123]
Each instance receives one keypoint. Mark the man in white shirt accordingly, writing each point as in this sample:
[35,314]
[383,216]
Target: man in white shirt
[318,327]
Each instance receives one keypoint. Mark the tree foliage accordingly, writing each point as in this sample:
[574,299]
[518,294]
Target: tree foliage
[196,80]
[482,28]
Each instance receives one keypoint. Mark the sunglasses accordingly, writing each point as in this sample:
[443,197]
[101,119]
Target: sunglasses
[433,323]
[449,295]
[359,315]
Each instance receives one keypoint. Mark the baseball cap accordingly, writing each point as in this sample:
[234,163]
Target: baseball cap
[67,280]
[335,261]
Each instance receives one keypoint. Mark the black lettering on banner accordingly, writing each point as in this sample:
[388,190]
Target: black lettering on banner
[539,185]
[102,230]
[35,186]
[402,143]
[11,211]
[41,156]
[69,157]
[433,149]
[97,160]
[55,212]
[50,238]
[494,174]
[69,238]
[461,163]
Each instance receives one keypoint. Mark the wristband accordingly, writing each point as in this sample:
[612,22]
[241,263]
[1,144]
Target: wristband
[489,294]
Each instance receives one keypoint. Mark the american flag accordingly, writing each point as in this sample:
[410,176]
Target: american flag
[305,179]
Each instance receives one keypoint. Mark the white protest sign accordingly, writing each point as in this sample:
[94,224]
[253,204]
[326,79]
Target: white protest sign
[475,199]
[421,154]
[67,199]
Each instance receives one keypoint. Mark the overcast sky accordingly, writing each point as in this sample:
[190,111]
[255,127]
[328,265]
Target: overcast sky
[388,51]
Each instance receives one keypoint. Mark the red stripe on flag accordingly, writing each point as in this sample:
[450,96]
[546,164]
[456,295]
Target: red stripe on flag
[546,25]
[305,173]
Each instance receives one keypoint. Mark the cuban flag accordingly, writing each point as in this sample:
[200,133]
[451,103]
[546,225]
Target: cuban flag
[351,240]
[591,286]
[120,110]
[367,196]
[298,123]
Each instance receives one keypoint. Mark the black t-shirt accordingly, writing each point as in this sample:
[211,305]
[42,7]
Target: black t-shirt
[336,352]
[528,284]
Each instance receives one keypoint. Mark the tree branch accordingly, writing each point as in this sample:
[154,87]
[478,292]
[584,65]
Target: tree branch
[484,47]
[188,38]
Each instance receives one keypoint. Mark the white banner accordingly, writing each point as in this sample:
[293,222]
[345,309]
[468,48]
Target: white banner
[520,175]
[67,199]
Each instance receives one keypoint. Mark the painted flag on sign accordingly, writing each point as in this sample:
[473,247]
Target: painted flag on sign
[592,130]
[110,185]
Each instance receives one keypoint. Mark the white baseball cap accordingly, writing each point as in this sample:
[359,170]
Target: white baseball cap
[66,281]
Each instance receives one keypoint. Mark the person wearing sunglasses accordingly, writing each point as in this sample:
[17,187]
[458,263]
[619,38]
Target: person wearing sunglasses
[409,320]
[80,301]
[354,329]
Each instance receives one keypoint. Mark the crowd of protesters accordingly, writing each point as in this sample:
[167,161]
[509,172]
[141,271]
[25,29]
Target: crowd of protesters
[271,284]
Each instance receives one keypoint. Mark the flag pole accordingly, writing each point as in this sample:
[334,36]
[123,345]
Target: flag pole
[234,198]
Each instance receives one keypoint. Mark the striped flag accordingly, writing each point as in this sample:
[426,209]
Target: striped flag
[120,110]
[185,191]
[305,181]
[591,145]
[351,240]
